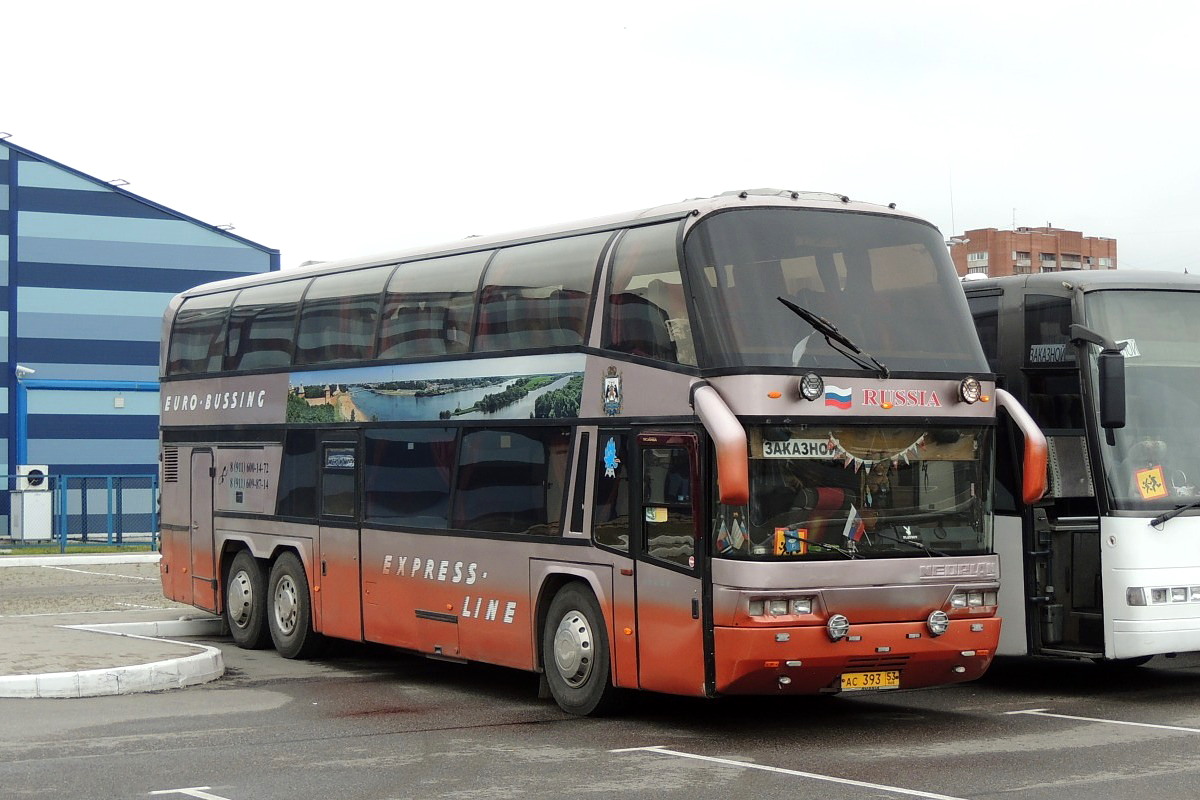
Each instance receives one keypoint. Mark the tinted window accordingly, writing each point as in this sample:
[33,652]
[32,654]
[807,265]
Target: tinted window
[581,473]
[262,325]
[1047,331]
[511,481]
[610,507]
[646,313]
[887,283]
[985,308]
[428,307]
[198,336]
[537,295]
[298,475]
[337,322]
[339,480]
[407,479]
[667,505]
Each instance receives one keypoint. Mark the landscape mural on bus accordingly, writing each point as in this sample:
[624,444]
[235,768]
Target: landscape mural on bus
[520,387]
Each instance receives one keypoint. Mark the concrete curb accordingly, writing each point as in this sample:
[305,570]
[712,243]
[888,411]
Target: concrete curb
[202,667]
[81,558]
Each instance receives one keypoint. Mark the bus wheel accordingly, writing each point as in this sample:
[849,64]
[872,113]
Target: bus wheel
[1118,664]
[246,602]
[290,615]
[575,653]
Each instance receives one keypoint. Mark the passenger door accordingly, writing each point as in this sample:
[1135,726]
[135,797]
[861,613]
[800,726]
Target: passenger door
[201,565]
[338,596]
[669,563]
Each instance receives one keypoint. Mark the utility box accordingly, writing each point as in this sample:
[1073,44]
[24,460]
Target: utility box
[32,504]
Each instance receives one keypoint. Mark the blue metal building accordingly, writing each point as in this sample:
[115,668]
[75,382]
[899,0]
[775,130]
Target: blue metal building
[86,270]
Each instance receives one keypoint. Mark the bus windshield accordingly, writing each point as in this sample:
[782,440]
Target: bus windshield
[886,283]
[1155,461]
[826,492]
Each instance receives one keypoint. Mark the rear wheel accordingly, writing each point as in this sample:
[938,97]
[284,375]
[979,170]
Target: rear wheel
[246,602]
[575,653]
[290,614]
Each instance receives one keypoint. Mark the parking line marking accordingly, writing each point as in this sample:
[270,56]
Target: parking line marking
[1041,712]
[780,770]
[194,791]
[102,574]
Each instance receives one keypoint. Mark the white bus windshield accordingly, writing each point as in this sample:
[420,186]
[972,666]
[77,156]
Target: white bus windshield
[1155,463]
[886,283]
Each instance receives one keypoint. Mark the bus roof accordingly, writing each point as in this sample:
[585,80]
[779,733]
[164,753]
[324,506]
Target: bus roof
[1092,280]
[698,207]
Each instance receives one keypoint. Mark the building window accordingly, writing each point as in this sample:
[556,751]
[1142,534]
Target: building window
[976,269]
[977,258]
[1106,263]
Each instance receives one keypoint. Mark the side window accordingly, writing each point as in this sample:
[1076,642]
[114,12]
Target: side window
[298,475]
[339,479]
[427,311]
[1047,331]
[610,507]
[645,312]
[581,473]
[198,335]
[985,309]
[667,518]
[407,476]
[511,481]
[337,322]
[262,325]
[537,295]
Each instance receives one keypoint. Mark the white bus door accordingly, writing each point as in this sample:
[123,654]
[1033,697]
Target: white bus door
[669,552]
[200,541]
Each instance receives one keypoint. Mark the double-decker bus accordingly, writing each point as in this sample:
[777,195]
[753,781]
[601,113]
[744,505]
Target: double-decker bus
[1107,565]
[728,446]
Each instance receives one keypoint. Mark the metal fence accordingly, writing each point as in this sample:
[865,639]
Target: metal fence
[74,510]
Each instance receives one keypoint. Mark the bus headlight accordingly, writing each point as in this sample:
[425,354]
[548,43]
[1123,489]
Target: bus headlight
[780,606]
[838,626]
[811,386]
[938,622]
[970,389]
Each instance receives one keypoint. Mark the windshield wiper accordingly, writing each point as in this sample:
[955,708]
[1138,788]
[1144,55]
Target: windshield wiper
[1173,513]
[832,334]
[917,543]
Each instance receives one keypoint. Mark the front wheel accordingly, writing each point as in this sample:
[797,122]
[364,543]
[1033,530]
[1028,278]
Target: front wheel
[575,653]
[246,602]
[290,615]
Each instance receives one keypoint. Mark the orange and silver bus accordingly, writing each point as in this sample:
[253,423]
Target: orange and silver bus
[736,445]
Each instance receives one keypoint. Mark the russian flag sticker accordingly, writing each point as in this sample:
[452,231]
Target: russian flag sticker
[837,397]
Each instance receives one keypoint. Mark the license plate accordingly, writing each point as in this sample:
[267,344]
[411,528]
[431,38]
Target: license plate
[860,681]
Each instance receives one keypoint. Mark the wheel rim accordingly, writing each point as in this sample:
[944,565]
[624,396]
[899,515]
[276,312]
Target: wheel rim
[573,648]
[239,599]
[286,605]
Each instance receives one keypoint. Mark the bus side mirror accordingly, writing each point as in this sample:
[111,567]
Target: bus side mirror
[1112,389]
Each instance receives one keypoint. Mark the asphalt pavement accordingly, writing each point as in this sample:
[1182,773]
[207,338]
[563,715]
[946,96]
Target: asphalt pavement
[52,649]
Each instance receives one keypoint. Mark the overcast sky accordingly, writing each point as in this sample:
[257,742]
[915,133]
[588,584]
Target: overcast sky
[339,129]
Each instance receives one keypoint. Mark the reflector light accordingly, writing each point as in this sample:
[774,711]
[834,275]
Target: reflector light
[811,386]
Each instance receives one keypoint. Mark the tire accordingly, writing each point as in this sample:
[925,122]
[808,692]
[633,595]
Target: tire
[246,602]
[1120,664]
[290,609]
[575,653]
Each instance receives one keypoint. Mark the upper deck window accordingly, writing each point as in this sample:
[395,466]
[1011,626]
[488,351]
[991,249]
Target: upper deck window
[262,326]
[885,282]
[198,338]
[428,307]
[537,295]
[337,322]
[646,313]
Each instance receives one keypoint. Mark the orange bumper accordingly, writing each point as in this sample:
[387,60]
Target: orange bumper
[804,660]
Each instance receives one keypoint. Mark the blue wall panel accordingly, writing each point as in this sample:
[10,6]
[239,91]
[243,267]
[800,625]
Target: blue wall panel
[86,426]
[140,254]
[98,276]
[88,351]
[99,203]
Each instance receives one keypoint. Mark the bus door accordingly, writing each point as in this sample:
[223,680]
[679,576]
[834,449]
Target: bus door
[338,600]
[669,563]
[203,585]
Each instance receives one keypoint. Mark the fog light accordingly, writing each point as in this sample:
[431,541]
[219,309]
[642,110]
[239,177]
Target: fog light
[1135,596]
[784,680]
[811,386]
[938,622]
[969,390]
[838,626]
[801,605]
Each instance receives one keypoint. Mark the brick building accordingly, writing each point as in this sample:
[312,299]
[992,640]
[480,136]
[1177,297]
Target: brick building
[992,252]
